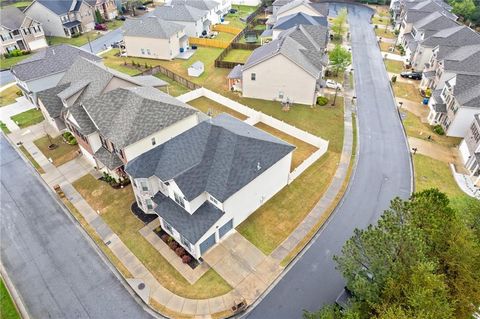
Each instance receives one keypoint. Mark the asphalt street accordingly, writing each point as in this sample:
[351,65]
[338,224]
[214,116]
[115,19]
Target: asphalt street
[383,172]
[103,42]
[52,265]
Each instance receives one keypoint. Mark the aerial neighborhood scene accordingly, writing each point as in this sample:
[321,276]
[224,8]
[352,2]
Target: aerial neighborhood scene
[262,159]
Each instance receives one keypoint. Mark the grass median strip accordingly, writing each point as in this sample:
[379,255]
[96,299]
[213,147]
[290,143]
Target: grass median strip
[61,154]
[114,206]
[7,307]
[9,95]
[31,159]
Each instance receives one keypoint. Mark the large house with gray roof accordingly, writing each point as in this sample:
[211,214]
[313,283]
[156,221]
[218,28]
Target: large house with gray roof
[194,20]
[44,69]
[470,150]
[19,32]
[288,69]
[206,181]
[296,6]
[62,18]
[290,21]
[154,38]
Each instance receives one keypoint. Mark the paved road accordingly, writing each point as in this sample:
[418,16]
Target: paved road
[99,44]
[6,77]
[383,172]
[53,267]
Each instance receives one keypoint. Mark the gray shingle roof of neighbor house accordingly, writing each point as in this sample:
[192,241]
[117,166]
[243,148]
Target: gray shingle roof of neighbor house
[467,90]
[51,101]
[127,115]
[433,23]
[110,160]
[50,60]
[191,226]
[179,12]
[321,8]
[280,2]
[303,45]
[292,20]
[218,156]
[465,60]
[198,4]
[11,18]
[61,6]
[432,6]
[151,27]
[452,38]
[236,72]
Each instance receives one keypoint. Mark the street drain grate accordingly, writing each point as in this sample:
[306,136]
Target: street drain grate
[141,286]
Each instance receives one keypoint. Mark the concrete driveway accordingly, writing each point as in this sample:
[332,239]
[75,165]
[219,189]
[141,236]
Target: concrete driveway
[21,105]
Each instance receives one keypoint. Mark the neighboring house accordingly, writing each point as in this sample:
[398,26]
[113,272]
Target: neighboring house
[214,14]
[118,125]
[422,30]
[400,7]
[195,20]
[470,150]
[288,69]
[154,38]
[62,18]
[19,32]
[441,44]
[455,105]
[287,22]
[277,4]
[251,3]
[297,6]
[44,69]
[107,8]
[205,182]
[83,80]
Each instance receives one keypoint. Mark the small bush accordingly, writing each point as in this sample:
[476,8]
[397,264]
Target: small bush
[19,93]
[180,251]
[165,238]
[186,259]
[438,129]
[173,245]
[322,100]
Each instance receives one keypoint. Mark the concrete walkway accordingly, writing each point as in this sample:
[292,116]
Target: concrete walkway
[21,105]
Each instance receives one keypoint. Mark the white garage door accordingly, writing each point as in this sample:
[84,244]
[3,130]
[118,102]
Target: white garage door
[37,44]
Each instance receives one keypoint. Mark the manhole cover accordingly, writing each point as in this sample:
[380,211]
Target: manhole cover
[141,286]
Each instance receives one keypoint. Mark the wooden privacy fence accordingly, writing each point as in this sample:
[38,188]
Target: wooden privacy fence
[226,29]
[234,45]
[209,42]
[178,78]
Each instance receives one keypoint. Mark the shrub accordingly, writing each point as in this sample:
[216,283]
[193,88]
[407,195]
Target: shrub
[173,245]
[19,93]
[186,259]
[438,129]
[394,78]
[180,251]
[322,100]
[165,238]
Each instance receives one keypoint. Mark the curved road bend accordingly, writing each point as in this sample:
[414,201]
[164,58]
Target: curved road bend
[383,172]
[56,271]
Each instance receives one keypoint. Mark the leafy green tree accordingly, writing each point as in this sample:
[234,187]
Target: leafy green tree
[339,23]
[464,8]
[98,16]
[340,58]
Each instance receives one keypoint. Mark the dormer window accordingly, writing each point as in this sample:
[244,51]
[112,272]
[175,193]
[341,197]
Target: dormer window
[144,186]
[179,199]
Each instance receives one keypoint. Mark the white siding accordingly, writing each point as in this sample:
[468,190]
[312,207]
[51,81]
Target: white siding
[51,22]
[462,122]
[165,49]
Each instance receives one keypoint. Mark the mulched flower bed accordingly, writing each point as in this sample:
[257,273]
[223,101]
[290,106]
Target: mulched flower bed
[145,218]
[175,246]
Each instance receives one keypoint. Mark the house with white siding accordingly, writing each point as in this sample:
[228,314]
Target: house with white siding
[298,6]
[470,150]
[194,20]
[206,181]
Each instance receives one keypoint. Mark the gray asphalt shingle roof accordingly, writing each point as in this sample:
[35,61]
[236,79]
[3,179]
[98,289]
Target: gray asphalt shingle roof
[127,115]
[110,160]
[191,226]
[467,90]
[179,12]
[151,27]
[303,45]
[51,101]
[434,22]
[320,8]
[11,18]
[218,156]
[198,4]
[465,60]
[50,60]
[292,20]
[61,6]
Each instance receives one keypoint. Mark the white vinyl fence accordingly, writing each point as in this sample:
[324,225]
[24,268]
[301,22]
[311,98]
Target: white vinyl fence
[255,116]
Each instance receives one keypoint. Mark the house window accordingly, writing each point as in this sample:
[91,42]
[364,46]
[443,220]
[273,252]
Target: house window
[144,186]
[179,199]
[143,51]
[253,76]
[149,204]
[213,200]
[280,95]
[153,141]
[148,51]
[475,133]
[185,242]
[168,227]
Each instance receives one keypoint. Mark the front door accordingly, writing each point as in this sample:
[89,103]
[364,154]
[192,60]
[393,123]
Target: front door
[207,244]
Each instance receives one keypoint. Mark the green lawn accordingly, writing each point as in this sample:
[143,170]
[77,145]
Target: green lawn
[7,63]
[381,21]
[4,128]
[60,155]
[385,47]
[8,96]
[237,55]
[28,118]
[393,66]
[243,12]
[174,88]
[224,36]
[407,91]
[18,4]
[387,34]
[78,41]
[31,159]
[114,207]
[114,24]
[7,307]
[213,108]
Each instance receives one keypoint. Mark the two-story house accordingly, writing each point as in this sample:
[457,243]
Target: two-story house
[194,20]
[154,38]
[470,150]
[288,69]
[214,12]
[290,21]
[107,8]
[117,126]
[456,104]
[19,32]
[296,6]
[44,69]
[204,182]
[62,18]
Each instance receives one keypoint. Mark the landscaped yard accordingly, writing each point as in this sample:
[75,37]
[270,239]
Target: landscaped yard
[381,21]
[407,91]
[78,41]
[174,88]
[386,34]
[28,118]
[6,63]
[31,159]
[4,128]
[243,12]
[114,206]
[213,108]
[7,307]
[60,155]
[302,151]
[394,66]
[237,55]
[386,46]
[8,96]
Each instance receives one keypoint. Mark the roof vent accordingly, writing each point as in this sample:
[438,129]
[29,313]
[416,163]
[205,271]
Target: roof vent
[259,167]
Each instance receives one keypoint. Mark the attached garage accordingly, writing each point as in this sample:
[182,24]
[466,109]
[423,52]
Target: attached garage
[225,228]
[207,244]
[37,44]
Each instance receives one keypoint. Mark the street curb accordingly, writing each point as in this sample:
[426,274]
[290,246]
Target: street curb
[17,299]
[6,86]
